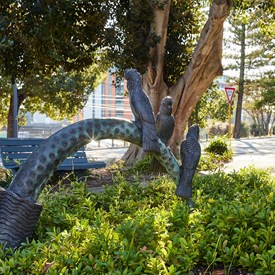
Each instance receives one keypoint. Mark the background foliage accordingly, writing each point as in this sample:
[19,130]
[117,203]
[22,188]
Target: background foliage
[41,42]
[212,106]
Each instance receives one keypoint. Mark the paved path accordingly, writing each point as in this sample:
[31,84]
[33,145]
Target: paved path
[109,155]
[259,152]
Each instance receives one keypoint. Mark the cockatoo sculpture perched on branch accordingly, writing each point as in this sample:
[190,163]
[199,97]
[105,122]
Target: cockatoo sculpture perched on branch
[18,204]
[190,152]
[165,121]
[143,111]
[162,128]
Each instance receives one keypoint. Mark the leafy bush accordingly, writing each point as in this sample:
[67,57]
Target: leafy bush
[133,229]
[255,130]
[141,166]
[208,162]
[5,177]
[218,146]
[215,154]
[244,131]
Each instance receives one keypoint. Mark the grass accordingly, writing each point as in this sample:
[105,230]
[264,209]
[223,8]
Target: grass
[133,229]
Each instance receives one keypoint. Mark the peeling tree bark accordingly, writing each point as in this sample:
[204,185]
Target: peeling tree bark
[153,82]
[205,65]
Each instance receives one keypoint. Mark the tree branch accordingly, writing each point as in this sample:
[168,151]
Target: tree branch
[209,37]
[159,28]
[204,66]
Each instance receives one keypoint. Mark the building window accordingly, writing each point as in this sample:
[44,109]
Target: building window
[102,99]
[119,113]
[120,89]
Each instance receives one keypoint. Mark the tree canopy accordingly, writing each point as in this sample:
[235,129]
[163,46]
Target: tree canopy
[165,40]
[52,49]
[39,36]
[260,102]
[211,106]
[252,36]
[132,39]
[42,41]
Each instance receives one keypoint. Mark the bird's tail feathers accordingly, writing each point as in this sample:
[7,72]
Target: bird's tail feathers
[184,188]
[151,147]
[150,139]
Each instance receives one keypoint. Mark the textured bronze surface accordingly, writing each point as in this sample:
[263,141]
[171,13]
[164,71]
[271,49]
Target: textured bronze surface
[18,218]
[143,111]
[190,152]
[38,168]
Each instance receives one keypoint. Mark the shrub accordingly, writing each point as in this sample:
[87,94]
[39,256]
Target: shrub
[255,130]
[218,146]
[215,154]
[208,162]
[5,177]
[244,130]
[141,166]
[133,229]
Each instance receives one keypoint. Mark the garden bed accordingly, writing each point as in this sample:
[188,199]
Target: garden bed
[145,229]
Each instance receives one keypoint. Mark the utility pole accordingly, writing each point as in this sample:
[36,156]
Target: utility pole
[238,119]
[15,110]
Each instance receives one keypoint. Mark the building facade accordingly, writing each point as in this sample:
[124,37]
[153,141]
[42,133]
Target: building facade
[108,100]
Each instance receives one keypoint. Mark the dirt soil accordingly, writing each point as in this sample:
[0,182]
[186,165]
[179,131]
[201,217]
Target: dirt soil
[105,177]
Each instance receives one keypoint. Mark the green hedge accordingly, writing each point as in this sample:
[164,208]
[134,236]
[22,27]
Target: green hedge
[130,229]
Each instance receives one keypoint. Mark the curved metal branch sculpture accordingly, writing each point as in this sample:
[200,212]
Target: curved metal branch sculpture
[19,211]
[36,171]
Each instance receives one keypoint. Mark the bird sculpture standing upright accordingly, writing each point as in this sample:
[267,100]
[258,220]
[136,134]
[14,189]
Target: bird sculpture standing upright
[143,111]
[165,121]
[190,152]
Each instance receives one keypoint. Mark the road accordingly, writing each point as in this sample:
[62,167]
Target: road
[259,152]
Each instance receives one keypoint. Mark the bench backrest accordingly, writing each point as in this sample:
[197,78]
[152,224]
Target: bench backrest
[14,151]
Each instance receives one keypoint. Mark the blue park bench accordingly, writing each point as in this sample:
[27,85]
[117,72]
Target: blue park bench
[15,151]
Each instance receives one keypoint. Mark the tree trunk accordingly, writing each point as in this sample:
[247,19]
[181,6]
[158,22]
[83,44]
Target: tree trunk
[152,80]
[132,155]
[204,66]
[238,117]
[267,122]
[11,119]
[271,126]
